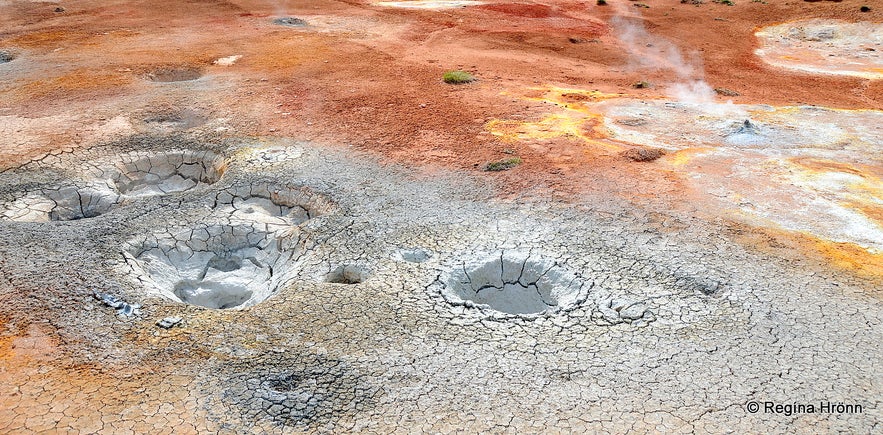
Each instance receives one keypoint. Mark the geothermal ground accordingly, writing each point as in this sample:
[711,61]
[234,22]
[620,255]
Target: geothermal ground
[277,217]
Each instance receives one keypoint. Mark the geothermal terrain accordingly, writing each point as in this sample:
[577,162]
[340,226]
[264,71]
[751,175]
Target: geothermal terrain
[277,217]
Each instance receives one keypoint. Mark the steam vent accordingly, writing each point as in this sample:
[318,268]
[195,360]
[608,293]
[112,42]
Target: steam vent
[441,216]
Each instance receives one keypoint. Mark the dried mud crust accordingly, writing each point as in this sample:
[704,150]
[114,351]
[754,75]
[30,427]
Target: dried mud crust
[661,297]
[681,328]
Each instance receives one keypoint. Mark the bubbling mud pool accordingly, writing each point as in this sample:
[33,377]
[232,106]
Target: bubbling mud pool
[803,169]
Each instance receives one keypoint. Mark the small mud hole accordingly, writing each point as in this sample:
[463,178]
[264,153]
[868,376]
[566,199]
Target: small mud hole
[347,274]
[160,174]
[292,391]
[174,74]
[107,184]
[515,283]
[6,56]
[290,22]
[412,255]
[213,266]
[183,119]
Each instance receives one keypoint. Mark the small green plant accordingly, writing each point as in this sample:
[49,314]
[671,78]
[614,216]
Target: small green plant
[502,165]
[458,77]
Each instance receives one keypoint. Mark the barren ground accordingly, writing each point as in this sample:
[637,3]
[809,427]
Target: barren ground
[305,206]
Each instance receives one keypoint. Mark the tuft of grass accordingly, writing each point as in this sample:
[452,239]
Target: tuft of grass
[502,165]
[458,77]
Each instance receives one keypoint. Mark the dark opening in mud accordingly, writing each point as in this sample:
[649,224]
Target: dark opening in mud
[347,274]
[6,56]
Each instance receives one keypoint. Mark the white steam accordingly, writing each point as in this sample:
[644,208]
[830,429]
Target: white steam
[654,53]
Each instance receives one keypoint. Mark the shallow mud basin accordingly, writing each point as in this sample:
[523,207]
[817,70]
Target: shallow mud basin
[515,283]
[61,204]
[164,173]
[106,184]
[824,46]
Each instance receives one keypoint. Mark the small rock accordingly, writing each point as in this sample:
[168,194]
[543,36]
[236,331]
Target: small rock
[643,154]
[726,92]
[633,311]
[123,308]
[169,322]
[59,9]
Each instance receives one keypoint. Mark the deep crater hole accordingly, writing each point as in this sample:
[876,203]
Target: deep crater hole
[214,266]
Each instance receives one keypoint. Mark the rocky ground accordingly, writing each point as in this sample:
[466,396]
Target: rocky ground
[211,222]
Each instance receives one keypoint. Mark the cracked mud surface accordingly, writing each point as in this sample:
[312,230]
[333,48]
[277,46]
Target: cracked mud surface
[647,329]
[288,230]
